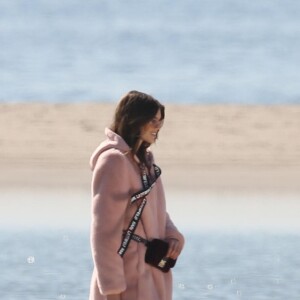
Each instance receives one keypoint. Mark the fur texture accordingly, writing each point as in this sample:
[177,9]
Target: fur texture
[115,178]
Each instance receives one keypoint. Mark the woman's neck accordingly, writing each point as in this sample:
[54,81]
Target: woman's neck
[135,158]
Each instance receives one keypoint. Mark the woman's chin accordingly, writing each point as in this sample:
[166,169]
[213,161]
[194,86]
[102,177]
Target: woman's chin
[153,140]
[150,140]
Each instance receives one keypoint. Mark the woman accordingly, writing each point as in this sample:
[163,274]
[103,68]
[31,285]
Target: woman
[117,166]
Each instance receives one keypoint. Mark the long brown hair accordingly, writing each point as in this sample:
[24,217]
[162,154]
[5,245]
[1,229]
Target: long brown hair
[135,110]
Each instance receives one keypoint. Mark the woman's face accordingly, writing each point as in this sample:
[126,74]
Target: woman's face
[149,132]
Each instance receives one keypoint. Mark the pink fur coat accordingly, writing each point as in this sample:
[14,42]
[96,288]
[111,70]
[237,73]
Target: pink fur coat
[115,178]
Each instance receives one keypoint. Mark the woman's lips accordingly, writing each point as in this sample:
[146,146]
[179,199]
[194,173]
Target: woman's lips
[154,134]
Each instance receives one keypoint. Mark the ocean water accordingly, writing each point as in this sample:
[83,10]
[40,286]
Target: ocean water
[50,265]
[191,51]
[238,246]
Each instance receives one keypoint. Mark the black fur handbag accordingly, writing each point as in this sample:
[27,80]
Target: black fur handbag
[156,255]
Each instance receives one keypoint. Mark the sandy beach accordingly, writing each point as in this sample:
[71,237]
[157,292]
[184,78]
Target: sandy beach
[232,165]
[199,146]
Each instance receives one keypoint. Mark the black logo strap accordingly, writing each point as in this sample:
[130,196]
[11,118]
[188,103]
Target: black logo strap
[130,230]
[137,216]
[147,185]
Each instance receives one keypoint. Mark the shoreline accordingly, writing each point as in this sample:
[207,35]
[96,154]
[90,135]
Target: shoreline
[212,199]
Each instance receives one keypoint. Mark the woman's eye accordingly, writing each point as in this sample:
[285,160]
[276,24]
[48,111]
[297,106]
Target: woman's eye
[156,122]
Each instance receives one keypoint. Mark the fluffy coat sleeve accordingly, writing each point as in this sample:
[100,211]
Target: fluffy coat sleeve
[110,198]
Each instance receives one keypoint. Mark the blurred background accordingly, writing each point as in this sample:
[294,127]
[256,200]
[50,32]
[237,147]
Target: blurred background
[228,73]
[219,51]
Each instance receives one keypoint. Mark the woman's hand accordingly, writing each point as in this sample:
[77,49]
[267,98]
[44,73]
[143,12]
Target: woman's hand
[113,297]
[174,248]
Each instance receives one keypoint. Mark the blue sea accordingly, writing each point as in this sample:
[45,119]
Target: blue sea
[57,265]
[239,246]
[180,51]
